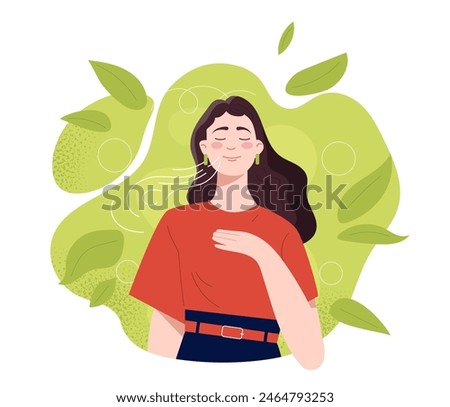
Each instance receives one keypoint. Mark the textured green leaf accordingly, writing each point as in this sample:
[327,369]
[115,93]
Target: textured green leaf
[370,234]
[286,38]
[89,119]
[103,292]
[121,84]
[318,78]
[353,313]
[94,250]
[365,194]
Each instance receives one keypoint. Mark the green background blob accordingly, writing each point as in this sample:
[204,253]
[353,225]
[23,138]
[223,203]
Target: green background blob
[85,160]
[332,133]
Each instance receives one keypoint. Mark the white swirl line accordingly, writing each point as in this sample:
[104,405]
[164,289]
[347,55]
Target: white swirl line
[195,166]
[187,168]
[185,90]
[146,193]
[123,227]
[204,182]
[160,183]
[132,212]
[164,176]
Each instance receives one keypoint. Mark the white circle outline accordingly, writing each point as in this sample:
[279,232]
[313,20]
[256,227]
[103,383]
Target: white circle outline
[129,150]
[224,94]
[197,103]
[340,268]
[117,268]
[342,173]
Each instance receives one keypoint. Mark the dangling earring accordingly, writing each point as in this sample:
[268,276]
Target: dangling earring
[205,159]
[257,159]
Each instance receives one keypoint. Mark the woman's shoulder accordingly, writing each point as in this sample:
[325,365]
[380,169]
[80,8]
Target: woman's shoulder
[274,220]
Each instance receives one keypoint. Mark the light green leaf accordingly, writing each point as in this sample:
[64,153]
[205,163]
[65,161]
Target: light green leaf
[364,195]
[318,78]
[121,84]
[103,292]
[94,250]
[353,313]
[89,119]
[286,38]
[370,234]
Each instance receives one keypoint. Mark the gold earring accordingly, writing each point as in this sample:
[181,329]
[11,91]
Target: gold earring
[205,159]
[257,159]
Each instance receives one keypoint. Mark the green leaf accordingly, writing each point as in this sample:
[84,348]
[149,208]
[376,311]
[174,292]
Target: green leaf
[103,292]
[121,84]
[89,119]
[286,38]
[353,313]
[94,250]
[364,195]
[318,78]
[370,234]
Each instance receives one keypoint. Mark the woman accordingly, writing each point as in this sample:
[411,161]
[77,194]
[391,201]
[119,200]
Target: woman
[227,271]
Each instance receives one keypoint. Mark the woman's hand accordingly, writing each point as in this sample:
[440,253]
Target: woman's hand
[298,318]
[240,242]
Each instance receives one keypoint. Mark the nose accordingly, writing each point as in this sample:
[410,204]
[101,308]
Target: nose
[231,148]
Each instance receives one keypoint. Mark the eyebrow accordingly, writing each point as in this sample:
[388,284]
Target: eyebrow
[243,128]
[221,128]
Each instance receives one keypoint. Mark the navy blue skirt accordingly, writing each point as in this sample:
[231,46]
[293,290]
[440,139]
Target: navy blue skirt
[211,348]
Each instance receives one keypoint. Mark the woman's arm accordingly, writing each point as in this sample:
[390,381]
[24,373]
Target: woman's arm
[157,283]
[297,317]
[165,335]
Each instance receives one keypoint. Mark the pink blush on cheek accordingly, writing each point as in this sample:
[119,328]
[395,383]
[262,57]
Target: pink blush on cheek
[216,144]
[247,145]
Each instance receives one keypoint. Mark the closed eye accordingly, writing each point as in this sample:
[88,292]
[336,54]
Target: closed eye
[244,139]
[219,139]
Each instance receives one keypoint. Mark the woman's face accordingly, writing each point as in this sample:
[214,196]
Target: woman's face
[231,144]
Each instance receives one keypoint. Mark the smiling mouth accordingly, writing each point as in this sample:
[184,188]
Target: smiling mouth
[232,158]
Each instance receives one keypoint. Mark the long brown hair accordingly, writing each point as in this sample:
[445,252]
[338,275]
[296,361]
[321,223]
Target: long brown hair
[289,200]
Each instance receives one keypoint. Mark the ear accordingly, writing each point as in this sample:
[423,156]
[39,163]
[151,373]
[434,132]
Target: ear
[203,146]
[259,147]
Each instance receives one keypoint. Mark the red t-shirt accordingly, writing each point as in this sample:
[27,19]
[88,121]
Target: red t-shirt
[182,269]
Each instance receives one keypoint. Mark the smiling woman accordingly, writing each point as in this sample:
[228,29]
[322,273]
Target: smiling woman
[225,273]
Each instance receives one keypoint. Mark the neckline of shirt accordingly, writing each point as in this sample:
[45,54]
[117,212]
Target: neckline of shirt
[210,206]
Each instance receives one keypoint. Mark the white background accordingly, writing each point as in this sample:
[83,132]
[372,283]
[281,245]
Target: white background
[57,351]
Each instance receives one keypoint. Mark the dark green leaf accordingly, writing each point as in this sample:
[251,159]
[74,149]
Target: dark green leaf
[103,292]
[121,84]
[94,250]
[364,195]
[370,234]
[353,313]
[286,38]
[89,119]
[318,78]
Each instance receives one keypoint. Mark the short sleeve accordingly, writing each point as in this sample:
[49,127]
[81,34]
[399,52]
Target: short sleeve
[294,255]
[158,280]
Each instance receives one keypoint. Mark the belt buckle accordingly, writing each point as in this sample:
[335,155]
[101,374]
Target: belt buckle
[241,332]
